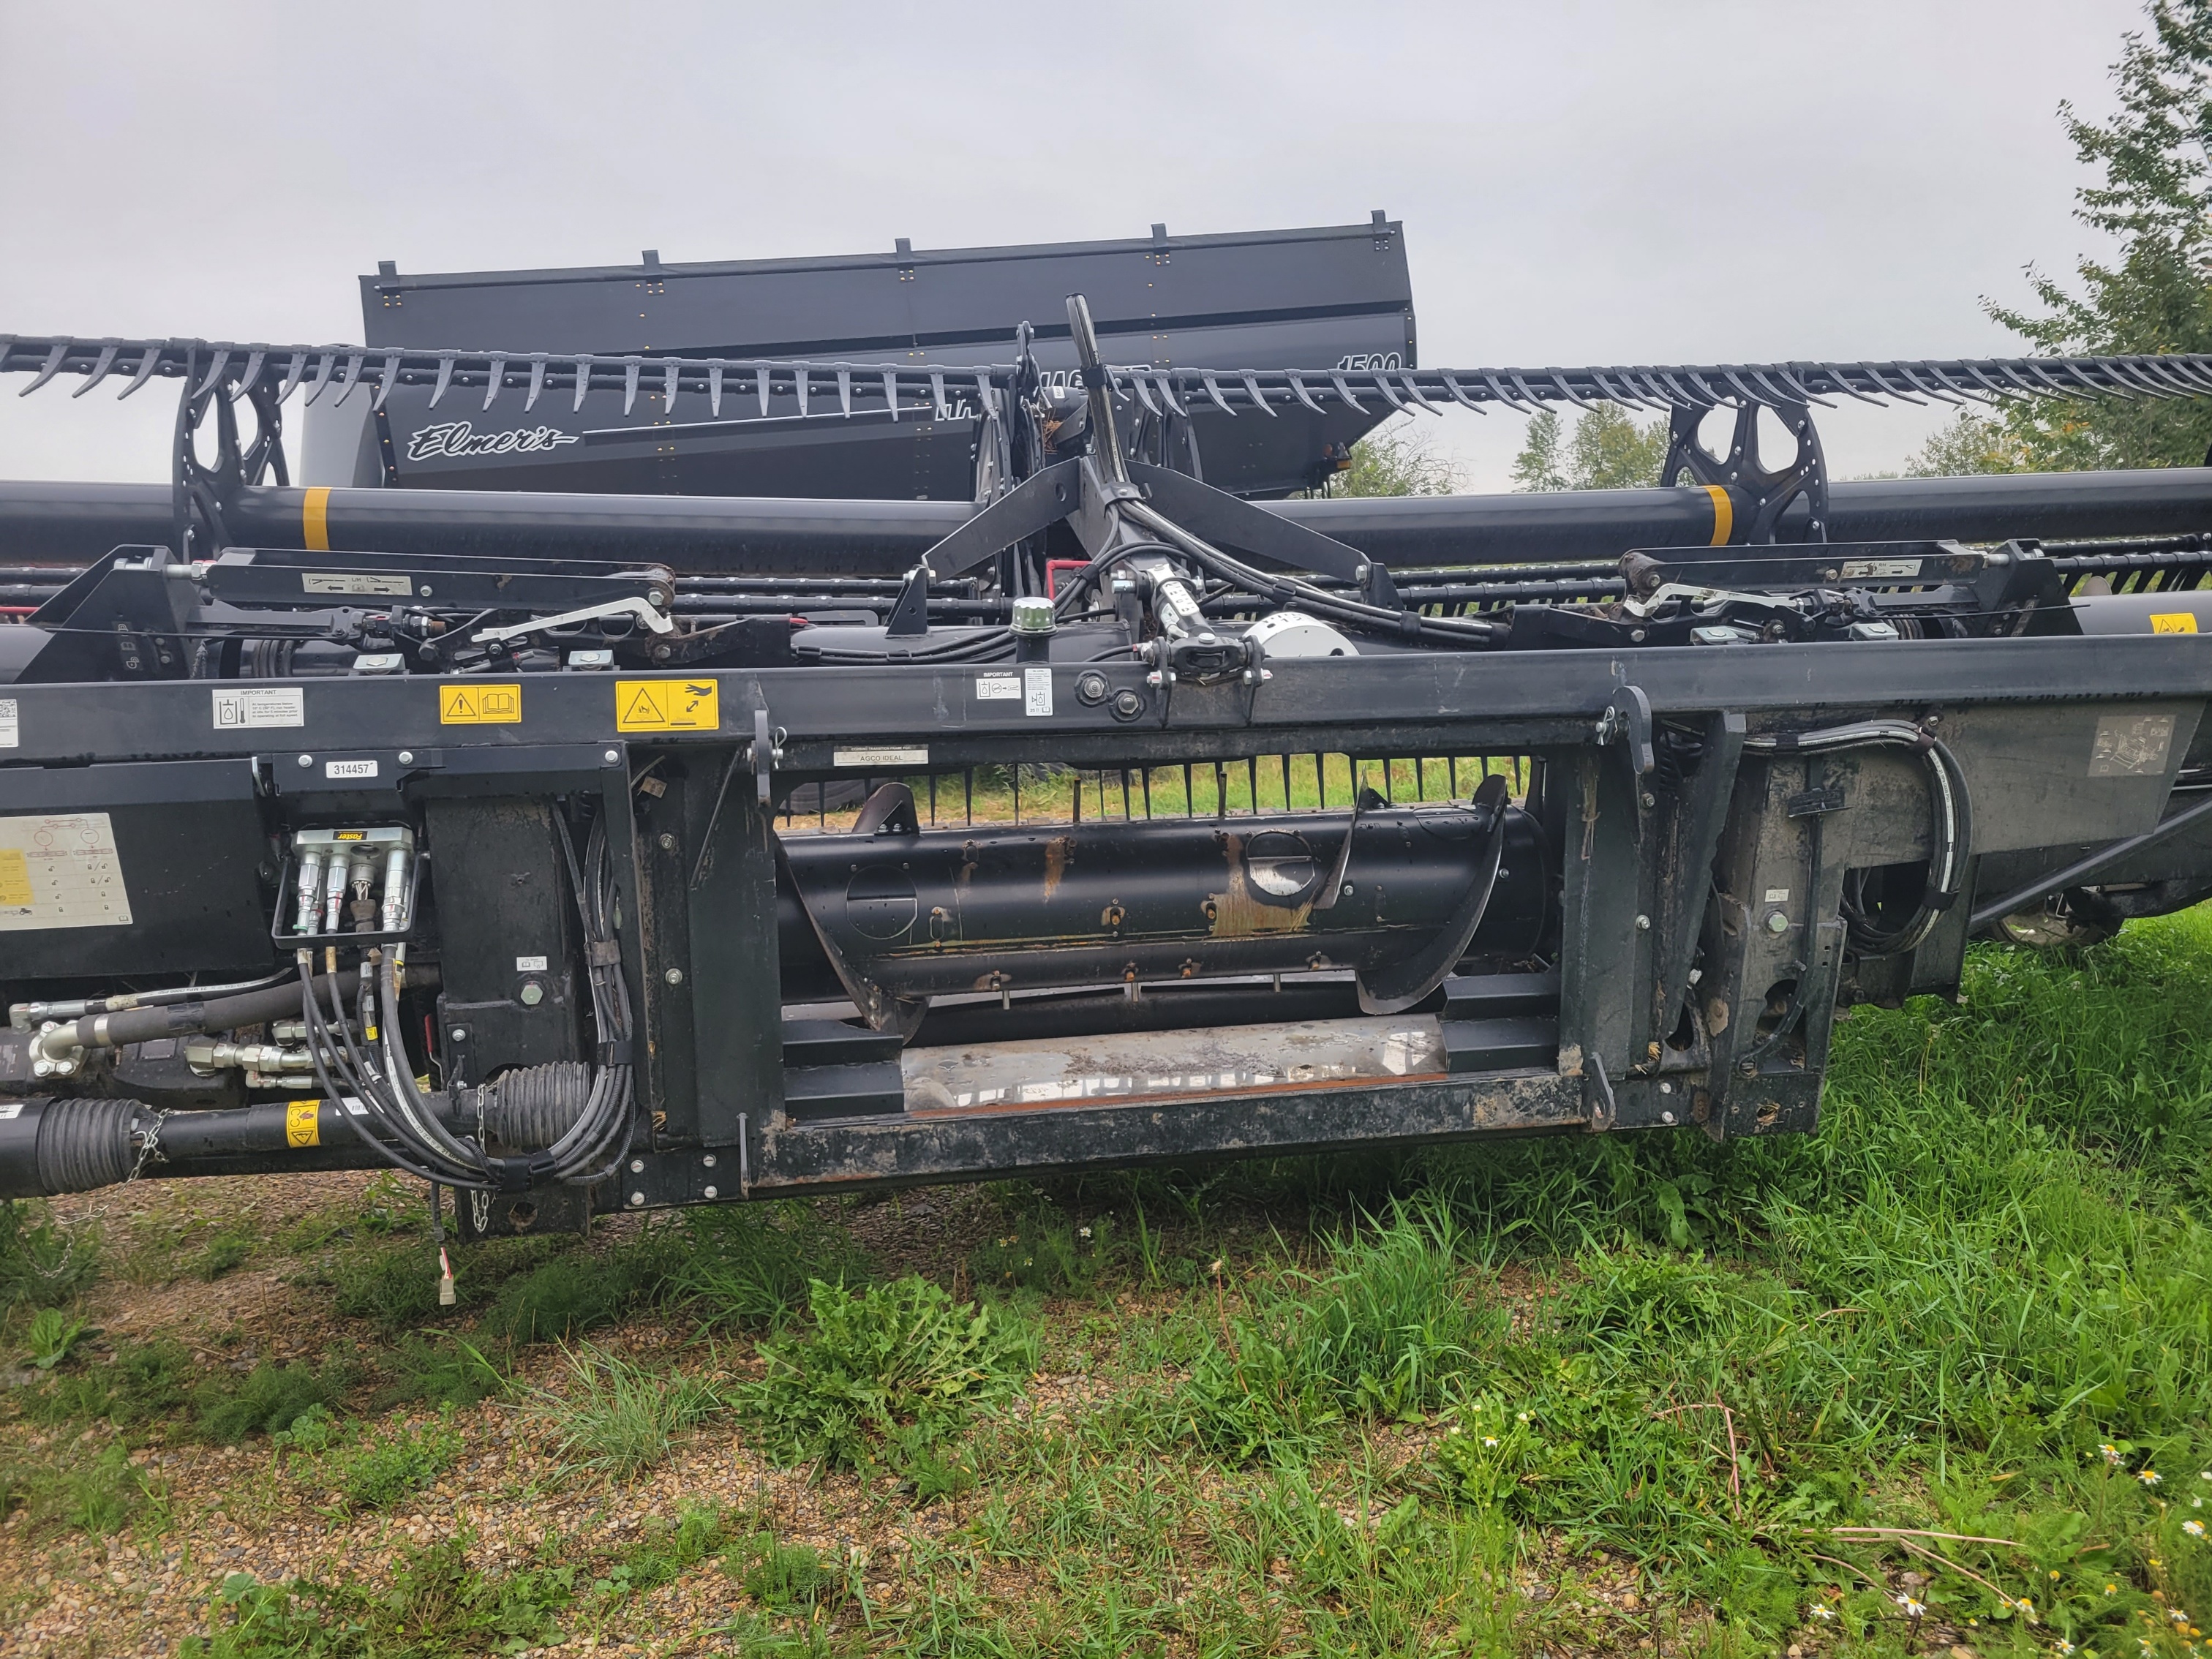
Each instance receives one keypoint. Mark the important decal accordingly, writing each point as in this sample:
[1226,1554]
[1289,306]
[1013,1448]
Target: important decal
[879,757]
[667,706]
[2173,621]
[255,709]
[458,440]
[303,1123]
[997,688]
[1037,690]
[469,704]
[360,584]
[2131,745]
[11,731]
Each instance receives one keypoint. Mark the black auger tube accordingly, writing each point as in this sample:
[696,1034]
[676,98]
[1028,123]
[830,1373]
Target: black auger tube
[45,523]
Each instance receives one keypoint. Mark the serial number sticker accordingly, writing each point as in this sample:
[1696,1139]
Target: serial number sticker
[668,706]
[1777,895]
[2173,621]
[10,730]
[1860,569]
[529,965]
[60,871]
[301,1124]
[996,688]
[335,581]
[352,768]
[2130,745]
[880,756]
[14,1108]
[1036,688]
[253,709]
[479,705]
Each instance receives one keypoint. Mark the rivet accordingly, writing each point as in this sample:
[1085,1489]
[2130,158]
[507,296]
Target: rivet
[459,1034]
[1347,890]
[306,760]
[637,1166]
[610,757]
[637,1197]
[407,757]
[708,1160]
[709,1192]
[1666,1117]
[667,842]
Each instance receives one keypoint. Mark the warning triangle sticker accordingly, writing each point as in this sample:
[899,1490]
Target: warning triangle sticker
[644,709]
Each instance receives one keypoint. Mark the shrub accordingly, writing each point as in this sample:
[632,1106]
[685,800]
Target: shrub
[902,1356]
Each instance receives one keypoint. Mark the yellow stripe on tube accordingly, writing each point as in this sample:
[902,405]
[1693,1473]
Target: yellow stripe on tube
[315,519]
[1723,515]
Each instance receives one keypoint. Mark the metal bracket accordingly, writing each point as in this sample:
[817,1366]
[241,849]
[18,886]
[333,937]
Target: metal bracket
[638,610]
[909,618]
[766,753]
[1627,717]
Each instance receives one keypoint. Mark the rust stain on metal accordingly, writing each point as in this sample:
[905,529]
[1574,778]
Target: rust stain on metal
[1716,1015]
[1056,851]
[1236,914]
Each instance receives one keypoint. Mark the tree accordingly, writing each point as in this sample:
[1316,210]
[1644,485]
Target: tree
[2155,154]
[1972,443]
[1395,459]
[1605,450]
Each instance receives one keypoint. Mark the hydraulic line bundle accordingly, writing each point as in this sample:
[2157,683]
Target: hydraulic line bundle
[575,851]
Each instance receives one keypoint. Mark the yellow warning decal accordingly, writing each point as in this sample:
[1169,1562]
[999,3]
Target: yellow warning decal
[315,519]
[1723,515]
[667,706]
[302,1120]
[2173,621]
[15,876]
[467,703]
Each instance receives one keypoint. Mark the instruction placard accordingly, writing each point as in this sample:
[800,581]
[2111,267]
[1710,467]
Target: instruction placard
[667,706]
[469,704]
[60,871]
[303,1123]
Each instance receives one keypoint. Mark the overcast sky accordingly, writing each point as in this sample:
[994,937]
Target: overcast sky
[1579,182]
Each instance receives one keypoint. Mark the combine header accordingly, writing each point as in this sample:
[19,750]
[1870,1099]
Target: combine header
[583,852]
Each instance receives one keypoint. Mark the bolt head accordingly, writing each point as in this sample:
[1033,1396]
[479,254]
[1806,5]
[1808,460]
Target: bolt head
[708,1160]
[1666,1117]
[667,842]
[1347,890]
[709,1192]
[674,976]
[459,1034]
[407,757]
[532,993]
[637,1199]
[1776,922]
[42,1068]
[1650,799]
[1643,924]
[306,760]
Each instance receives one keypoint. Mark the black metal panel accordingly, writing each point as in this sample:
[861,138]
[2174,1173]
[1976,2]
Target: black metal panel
[194,861]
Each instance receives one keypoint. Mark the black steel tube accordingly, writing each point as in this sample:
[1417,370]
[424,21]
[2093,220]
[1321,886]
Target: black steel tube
[72,523]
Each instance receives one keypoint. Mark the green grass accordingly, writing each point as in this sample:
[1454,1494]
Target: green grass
[614,1417]
[748,1266]
[1458,1401]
